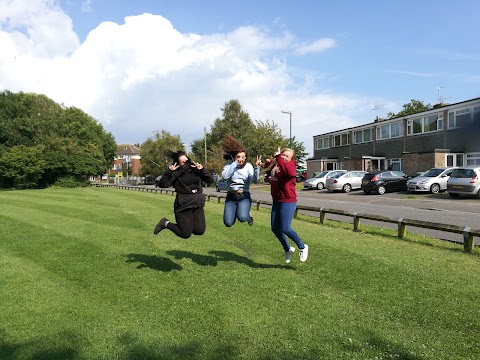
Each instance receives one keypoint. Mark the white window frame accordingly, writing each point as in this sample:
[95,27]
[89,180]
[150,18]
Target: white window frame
[457,159]
[455,116]
[322,143]
[361,135]
[472,159]
[342,139]
[422,124]
[388,128]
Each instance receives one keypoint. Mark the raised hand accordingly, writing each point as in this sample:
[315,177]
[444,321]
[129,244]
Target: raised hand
[197,165]
[258,162]
[174,167]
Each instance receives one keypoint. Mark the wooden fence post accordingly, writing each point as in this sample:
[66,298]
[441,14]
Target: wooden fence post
[401,228]
[467,240]
[356,221]
[322,215]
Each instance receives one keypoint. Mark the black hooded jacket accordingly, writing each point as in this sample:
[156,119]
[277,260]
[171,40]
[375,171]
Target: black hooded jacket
[187,182]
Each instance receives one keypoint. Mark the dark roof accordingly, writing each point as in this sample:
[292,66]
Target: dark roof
[127,149]
[399,117]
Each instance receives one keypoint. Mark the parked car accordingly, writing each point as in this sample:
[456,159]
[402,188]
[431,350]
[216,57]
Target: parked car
[464,180]
[157,181]
[383,181]
[318,182]
[345,182]
[301,175]
[221,185]
[433,180]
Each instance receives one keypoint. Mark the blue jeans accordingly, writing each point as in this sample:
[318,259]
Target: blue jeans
[236,207]
[282,216]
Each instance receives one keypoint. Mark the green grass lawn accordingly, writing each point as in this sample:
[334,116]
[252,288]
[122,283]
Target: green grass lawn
[83,277]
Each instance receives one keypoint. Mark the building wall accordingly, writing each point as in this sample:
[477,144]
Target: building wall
[388,148]
[417,152]
[425,142]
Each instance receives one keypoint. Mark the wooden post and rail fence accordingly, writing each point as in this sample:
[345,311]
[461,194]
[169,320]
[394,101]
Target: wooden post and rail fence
[402,223]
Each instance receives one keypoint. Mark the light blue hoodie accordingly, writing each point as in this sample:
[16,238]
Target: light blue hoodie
[240,178]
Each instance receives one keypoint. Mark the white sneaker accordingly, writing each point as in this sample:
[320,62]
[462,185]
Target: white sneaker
[304,253]
[289,254]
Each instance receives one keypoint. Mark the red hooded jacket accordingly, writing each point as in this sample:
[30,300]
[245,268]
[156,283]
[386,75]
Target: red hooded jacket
[283,182]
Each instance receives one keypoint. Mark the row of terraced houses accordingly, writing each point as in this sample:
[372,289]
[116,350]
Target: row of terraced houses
[447,135]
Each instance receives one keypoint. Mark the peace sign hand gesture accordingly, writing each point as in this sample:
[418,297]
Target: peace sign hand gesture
[197,165]
[258,162]
[174,167]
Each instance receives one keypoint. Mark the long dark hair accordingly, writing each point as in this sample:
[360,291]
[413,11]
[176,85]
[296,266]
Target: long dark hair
[175,155]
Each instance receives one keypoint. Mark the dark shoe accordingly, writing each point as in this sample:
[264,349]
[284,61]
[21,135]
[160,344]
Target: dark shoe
[160,226]
[250,221]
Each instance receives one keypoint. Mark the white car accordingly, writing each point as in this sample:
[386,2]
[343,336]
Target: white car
[433,180]
[346,182]
[318,182]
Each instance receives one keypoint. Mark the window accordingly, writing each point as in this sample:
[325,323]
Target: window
[425,124]
[322,143]
[342,139]
[454,160]
[473,159]
[390,131]
[362,136]
[463,117]
[395,164]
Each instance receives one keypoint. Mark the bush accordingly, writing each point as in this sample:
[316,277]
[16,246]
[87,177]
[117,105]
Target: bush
[71,182]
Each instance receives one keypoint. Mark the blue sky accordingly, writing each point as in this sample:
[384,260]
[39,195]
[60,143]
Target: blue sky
[144,66]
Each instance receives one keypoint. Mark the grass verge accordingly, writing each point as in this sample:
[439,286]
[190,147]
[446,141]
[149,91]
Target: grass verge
[84,277]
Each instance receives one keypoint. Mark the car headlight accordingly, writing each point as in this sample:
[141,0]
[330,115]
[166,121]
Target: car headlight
[423,182]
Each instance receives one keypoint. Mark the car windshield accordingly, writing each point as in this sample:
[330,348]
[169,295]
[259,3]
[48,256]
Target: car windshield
[433,172]
[322,174]
[336,176]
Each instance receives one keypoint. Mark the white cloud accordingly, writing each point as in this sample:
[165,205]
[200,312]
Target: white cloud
[315,47]
[86,6]
[144,75]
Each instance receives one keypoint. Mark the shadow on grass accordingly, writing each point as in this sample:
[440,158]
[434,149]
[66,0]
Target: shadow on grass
[153,262]
[36,349]
[381,347]
[205,260]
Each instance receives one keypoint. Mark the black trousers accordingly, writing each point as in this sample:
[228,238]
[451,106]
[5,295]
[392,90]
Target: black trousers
[189,221]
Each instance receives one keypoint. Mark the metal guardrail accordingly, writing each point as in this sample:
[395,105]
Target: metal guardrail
[402,223]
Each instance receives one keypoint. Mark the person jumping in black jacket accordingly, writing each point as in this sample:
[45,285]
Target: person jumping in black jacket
[186,177]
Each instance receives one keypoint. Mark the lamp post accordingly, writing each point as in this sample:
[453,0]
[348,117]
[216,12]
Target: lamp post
[290,138]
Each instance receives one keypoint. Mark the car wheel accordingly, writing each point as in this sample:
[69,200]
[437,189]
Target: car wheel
[453,194]
[381,190]
[320,186]
[435,189]
[478,194]
[347,188]
[367,192]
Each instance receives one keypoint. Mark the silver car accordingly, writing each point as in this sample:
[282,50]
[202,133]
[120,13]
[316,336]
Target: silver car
[464,180]
[433,180]
[221,185]
[345,182]
[318,182]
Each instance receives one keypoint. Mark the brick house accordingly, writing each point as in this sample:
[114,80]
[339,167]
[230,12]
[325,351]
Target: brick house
[130,155]
[447,135]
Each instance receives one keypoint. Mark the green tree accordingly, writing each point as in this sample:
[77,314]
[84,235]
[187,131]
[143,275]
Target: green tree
[259,137]
[413,107]
[74,143]
[22,166]
[153,152]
